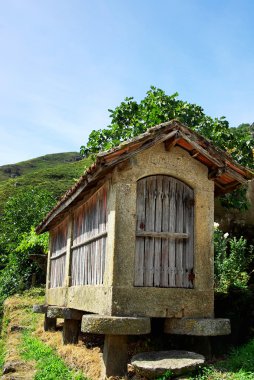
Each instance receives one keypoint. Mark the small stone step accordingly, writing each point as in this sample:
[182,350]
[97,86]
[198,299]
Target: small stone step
[154,364]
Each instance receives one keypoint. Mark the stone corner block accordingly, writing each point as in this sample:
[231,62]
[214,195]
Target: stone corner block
[110,325]
[40,309]
[197,326]
[63,312]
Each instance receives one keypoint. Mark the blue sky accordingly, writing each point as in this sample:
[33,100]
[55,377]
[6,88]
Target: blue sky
[64,63]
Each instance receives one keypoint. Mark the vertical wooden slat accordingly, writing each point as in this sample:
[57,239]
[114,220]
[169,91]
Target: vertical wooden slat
[140,226]
[67,275]
[172,226]
[57,264]
[158,228]
[190,230]
[165,228]
[150,225]
[179,228]
[164,204]
[89,221]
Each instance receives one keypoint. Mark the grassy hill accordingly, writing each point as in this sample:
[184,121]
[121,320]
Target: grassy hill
[54,172]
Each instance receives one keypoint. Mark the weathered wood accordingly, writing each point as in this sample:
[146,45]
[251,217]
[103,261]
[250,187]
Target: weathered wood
[179,227]
[49,324]
[164,232]
[165,229]
[67,274]
[172,228]
[58,255]
[189,227]
[115,355]
[201,150]
[49,263]
[71,329]
[150,202]
[89,240]
[163,235]
[170,143]
[157,229]
[140,241]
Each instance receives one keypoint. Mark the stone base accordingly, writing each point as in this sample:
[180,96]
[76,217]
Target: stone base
[108,325]
[154,364]
[71,329]
[115,355]
[197,326]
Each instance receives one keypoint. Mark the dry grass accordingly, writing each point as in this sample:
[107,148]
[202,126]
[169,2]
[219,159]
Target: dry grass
[16,319]
[77,356]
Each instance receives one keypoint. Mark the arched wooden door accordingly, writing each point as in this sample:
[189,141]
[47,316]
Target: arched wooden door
[164,233]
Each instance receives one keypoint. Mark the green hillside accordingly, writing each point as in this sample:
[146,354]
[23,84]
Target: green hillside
[53,172]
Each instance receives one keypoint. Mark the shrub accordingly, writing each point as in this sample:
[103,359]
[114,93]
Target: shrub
[232,258]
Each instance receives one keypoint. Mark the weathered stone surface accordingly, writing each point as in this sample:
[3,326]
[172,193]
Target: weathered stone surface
[63,312]
[115,355]
[101,324]
[154,364]
[16,328]
[117,296]
[49,324]
[71,331]
[40,309]
[10,367]
[197,326]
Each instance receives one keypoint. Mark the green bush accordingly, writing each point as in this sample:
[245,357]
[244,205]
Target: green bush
[232,258]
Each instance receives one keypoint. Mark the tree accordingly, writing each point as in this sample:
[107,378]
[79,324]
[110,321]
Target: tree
[131,118]
[21,213]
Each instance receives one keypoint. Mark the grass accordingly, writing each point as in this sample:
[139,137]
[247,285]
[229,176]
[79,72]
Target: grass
[56,173]
[43,162]
[238,366]
[49,366]
[41,355]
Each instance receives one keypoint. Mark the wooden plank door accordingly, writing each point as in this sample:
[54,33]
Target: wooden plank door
[164,233]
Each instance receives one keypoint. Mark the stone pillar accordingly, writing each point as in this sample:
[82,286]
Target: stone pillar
[49,324]
[71,330]
[115,355]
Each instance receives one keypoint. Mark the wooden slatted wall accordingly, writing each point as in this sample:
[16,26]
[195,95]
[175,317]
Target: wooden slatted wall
[58,255]
[89,241]
[164,233]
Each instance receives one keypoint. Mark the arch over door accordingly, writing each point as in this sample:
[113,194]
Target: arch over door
[164,233]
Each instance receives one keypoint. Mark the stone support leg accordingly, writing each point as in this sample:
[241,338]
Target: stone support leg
[49,324]
[71,331]
[115,355]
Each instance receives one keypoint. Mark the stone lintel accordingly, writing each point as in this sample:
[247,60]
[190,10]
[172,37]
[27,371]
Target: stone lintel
[64,312]
[111,325]
[41,309]
[197,326]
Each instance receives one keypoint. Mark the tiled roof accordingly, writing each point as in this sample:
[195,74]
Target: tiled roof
[223,170]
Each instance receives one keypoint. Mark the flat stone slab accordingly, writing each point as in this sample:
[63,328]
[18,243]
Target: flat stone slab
[197,326]
[154,364]
[41,309]
[109,325]
[64,312]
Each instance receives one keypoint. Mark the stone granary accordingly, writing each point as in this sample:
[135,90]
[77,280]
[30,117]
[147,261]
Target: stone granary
[133,240]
